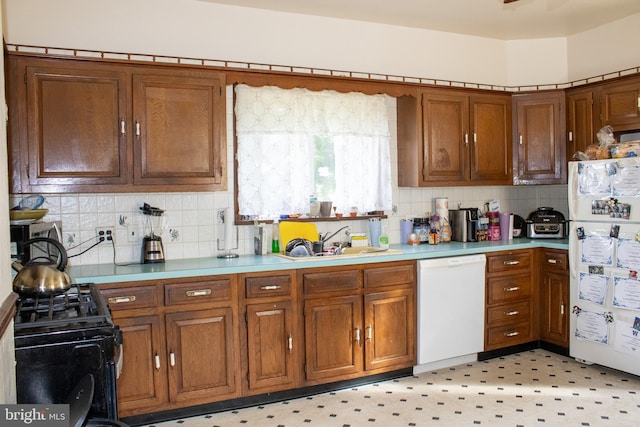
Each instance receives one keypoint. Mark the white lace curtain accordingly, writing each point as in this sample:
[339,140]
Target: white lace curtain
[275,131]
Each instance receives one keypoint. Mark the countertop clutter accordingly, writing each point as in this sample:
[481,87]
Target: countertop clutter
[109,273]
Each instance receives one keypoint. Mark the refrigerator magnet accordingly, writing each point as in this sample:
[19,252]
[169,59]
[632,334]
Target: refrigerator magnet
[580,233]
[615,230]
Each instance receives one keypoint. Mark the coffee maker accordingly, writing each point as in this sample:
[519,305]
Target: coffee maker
[464,224]
[152,249]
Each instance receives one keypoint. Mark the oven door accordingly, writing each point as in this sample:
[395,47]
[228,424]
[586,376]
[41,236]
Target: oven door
[47,373]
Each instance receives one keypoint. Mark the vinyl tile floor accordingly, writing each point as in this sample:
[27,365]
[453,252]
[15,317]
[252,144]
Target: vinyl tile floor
[532,388]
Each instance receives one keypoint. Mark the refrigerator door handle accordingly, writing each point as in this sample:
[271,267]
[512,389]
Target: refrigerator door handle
[573,251]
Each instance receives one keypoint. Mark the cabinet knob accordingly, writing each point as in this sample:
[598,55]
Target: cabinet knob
[369,333]
[122,127]
[157,359]
[520,139]
[172,359]
[358,335]
[290,343]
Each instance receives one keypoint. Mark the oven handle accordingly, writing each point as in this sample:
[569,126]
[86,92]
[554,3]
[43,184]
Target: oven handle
[119,362]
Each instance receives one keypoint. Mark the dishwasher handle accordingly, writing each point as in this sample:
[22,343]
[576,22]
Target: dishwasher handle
[451,262]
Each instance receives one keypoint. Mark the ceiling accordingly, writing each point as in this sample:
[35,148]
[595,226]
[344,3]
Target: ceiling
[522,19]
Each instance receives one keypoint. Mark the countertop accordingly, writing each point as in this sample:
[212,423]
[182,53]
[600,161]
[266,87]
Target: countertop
[109,273]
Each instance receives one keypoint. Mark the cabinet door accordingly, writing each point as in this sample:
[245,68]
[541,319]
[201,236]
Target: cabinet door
[539,137]
[621,105]
[580,130]
[490,122]
[76,128]
[180,136]
[389,324]
[142,383]
[555,308]
[333,337]
[270,346]
[445,137]
[203,356]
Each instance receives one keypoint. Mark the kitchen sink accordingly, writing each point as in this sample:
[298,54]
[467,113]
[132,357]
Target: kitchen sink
[352,252]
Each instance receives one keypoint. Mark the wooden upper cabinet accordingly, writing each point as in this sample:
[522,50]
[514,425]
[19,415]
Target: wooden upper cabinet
[580,120]
[490,124]
[178,126]
[539,138]
[445,125]
[75,128]
[89,126]
[448,137]
[620,104]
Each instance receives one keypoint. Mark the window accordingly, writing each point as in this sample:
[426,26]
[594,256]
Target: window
[294,143]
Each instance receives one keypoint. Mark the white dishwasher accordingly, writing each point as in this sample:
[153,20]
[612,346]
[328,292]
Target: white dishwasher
[450,311]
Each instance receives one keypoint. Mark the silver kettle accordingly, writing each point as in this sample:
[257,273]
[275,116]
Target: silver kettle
[42,275]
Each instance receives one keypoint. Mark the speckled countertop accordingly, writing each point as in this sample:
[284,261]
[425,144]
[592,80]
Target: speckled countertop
[109,273]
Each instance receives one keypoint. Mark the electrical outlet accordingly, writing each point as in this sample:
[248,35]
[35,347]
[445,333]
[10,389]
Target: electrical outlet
[132,234]
[104,234]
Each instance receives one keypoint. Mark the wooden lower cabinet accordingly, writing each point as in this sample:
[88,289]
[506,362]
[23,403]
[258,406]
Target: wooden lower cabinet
[510,318]
[554,297]
[209,339]
[141,384]
[350,333]
[270,359]
[179,353]
[201,355]
[333,337]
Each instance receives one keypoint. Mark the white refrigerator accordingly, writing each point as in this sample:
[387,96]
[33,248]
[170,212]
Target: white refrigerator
[604,260]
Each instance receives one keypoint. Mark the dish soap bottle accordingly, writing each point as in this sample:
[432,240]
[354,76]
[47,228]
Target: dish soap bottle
[275,239]
[383,240]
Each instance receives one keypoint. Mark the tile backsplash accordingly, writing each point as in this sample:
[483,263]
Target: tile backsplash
[193,227]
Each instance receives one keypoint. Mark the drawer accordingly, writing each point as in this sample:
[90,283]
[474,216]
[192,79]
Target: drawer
[554,260]
[508,313]
[131,297]
[506,262]
[507,335]
[331,281]
[508,288]
[389,276]
[270,286]
[197,292]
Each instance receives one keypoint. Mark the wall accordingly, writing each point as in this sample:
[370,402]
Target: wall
[7,359]
[611,47]
[198,29]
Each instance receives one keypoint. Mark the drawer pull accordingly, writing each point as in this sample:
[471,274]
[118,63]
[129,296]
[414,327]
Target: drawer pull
[511,313]
[198,293]
[512,289]
[511,334]
[552,261]
[512,262]
[157,358]
[290,343]
[270,287]
[120,300]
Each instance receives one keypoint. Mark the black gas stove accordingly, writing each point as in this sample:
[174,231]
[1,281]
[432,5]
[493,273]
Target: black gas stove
[61,338]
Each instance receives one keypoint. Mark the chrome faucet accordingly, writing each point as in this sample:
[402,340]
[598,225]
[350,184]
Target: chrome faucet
[325,238]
